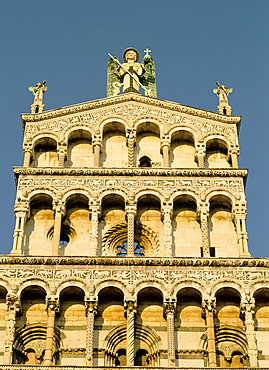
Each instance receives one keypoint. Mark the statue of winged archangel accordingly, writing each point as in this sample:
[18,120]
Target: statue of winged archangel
[131,75]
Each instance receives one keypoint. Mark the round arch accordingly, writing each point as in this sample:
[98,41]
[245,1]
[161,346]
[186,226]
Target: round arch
[160,123]
[185,193]
[191,130]
[149,284]
[198,287]
[218,191]
[70,192]
[112,119]
[109,283]
[71,284]
[156,193]
[43,135]
[69,131]
[227,284]
[28,284]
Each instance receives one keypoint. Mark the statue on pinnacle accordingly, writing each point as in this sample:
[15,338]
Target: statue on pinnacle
[131,75]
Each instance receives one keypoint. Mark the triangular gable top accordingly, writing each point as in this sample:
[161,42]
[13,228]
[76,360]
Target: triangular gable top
[129,97]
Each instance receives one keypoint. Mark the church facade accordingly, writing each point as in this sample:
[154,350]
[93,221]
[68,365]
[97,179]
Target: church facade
[130,245]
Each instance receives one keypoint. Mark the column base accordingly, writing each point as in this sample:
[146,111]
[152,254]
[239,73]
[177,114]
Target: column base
[16,253]
[244,255]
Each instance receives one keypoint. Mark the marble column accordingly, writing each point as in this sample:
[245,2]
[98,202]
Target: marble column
[208,313]
[200,154]
[165,146]
[13,307]
[167,212]
[239,216]
[203,212]
[52,306]
[62,152]
[95,210]
[130,141]
[169,311]
[130,211]
[247,310]
[234,152]
[91,310]
[58,212]
[130,309]
[20,211]
[97,145]
[27,156]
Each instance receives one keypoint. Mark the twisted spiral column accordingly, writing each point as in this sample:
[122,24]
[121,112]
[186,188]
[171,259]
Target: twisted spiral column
[208,312]
[91,309]
[169,310]
[52,306]
[247,310]
[130,307]
[130,211]
[12,305]
[203,212]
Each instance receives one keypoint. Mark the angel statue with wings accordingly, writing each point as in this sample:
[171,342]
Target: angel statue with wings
[131,75]
[38,92]
[222,93]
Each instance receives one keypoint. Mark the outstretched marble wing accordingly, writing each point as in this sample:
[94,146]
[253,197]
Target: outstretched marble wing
[215,91]
[112,77]
[149,77]
[32,89]
[229,90]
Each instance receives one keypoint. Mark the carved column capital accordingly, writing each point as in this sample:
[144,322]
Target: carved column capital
[91,305]
[130,136]
[169,307]
[203,209]
[165,141]
[209,306]
[52,304]
[97,139]
[13,303]
[59,207]
[130,306]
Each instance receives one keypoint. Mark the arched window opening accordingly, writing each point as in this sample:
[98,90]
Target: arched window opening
[139,250]
[217,154]
[64,239]
[37,109]
[145,162]
[141,358]
[45,153]
[224,111]
[120,357]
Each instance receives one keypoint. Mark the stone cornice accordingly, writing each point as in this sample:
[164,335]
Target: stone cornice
[222,172]
[100,103]
[117,261]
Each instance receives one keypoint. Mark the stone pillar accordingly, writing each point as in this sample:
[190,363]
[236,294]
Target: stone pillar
[239,215]
[167,212]
[234,153]
[247,310]
[200,154]
[169,311]
[58,211]
[62,152]
[130,309]
[130,142]
[97,145]
[13,306]
[165,146]
[27,151]
[20,211]
[95,209]
[130,211]
[208,313]
[203,212]
[52,307]
[91,310]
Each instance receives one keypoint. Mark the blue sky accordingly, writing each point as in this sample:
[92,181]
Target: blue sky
[194,43]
